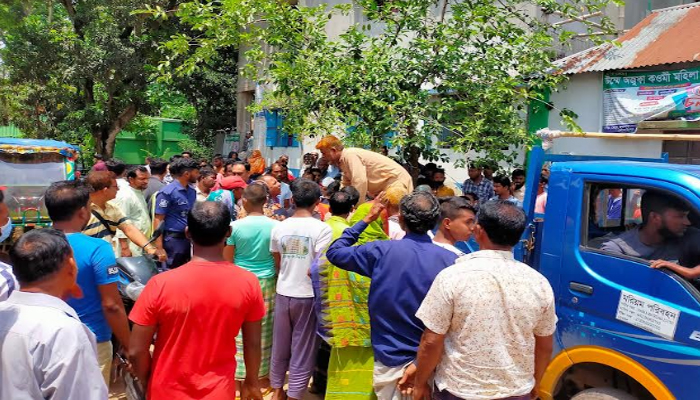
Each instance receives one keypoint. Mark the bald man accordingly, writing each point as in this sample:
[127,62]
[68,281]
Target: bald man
[367,171]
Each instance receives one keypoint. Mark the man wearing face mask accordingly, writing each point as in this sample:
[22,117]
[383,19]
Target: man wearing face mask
[438,184]
[8,283]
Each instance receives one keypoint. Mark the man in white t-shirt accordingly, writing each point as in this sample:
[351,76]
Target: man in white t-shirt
[296,243]
[457,221]
[489,319]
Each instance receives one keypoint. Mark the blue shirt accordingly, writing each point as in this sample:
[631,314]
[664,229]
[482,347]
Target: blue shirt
[96,267]
[175,202]
[402,271]
[285,193]
[483,189]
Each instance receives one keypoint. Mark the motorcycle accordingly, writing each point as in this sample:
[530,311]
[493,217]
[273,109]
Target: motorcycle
[135,272]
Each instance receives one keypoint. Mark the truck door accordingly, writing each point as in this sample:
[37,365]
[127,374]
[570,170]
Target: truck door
[617,301]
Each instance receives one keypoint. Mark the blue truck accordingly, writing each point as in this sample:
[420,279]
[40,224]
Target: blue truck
[625,330]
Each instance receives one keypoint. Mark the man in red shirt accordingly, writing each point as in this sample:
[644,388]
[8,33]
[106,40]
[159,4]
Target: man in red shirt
[196,311]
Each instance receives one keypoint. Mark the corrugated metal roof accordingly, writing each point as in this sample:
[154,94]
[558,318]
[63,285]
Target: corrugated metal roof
[666,36]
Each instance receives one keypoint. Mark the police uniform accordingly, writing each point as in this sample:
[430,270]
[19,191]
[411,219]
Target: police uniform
[174,202]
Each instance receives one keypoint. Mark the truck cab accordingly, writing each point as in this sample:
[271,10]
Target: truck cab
[624,327]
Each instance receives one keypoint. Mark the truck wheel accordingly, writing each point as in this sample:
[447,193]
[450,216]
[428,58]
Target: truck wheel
[603,394]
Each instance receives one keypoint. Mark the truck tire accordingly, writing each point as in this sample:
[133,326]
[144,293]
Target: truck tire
[603,394]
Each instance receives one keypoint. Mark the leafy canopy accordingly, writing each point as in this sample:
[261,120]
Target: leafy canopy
[427,73]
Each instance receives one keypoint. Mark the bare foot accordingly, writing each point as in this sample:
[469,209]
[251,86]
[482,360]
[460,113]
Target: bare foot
[279,394]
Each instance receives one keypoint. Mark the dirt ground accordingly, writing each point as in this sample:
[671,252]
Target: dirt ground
[116,392]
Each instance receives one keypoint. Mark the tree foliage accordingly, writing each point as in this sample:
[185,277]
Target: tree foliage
[84,70]
[459,73]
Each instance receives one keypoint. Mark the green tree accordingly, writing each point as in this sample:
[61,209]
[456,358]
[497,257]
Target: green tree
[459,73]
[83,71]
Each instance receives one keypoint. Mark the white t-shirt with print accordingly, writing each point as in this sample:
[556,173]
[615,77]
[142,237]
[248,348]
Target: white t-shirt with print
[299,241]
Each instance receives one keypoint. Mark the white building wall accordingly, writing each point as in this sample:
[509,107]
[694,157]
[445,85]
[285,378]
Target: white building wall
[583,95]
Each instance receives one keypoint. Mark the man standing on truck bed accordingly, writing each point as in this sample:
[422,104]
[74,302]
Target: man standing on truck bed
[659,237]
[489,319]
[365,170]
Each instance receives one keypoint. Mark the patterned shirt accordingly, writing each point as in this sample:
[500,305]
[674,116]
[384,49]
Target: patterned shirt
[483,189]
[490,307]
[112,215]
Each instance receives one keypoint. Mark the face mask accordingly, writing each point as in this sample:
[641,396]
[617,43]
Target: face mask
[6,230]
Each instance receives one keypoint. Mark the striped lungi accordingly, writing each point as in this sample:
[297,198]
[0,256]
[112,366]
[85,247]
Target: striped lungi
[268,290]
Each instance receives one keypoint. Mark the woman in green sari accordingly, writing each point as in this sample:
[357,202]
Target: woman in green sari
[345,318]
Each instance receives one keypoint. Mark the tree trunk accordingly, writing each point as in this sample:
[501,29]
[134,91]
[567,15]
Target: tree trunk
[105,140]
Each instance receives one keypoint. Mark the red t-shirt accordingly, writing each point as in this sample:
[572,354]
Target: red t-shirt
[198,310]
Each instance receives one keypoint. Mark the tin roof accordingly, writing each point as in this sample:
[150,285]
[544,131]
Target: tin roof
[666,36]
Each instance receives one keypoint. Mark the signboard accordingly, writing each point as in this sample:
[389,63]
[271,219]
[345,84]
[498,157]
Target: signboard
[647,314]
[632,97]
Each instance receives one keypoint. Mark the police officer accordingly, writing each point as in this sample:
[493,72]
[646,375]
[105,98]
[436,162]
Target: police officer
[173,203]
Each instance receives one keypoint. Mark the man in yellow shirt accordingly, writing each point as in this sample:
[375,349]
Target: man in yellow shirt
[367,171]
[438,184]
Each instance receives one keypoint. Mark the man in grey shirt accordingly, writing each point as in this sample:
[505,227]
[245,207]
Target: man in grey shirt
[660,236]
[45,351]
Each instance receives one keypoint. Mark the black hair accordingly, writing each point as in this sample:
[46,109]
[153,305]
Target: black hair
[246,164]
[158,166]
[305,193]
[452,206]
[255,177]
[182,165]
[206,171]
[420,211]
[39,254]
[256,194]
[334,187]
[63,199]
[474,196]
[2,196]
[231,153]
[517,172]
[502,180]
[175,157]
[502,221]
[132,171]
[544,179]
[208,223]
[430,167]
[340,203]
[439,171]
[354,194]
[653,201]
[186,152]
[116,166]
[97,156]
[218,157]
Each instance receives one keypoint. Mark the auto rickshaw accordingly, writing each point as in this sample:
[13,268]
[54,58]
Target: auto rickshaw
[27,168]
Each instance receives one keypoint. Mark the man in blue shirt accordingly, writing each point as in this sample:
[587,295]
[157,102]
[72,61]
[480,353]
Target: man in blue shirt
[101,308]
[402,272]
[173,203]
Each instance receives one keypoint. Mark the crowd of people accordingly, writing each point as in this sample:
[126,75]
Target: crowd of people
[345,274]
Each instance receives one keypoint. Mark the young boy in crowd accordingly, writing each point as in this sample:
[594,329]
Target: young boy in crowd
[295,244]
